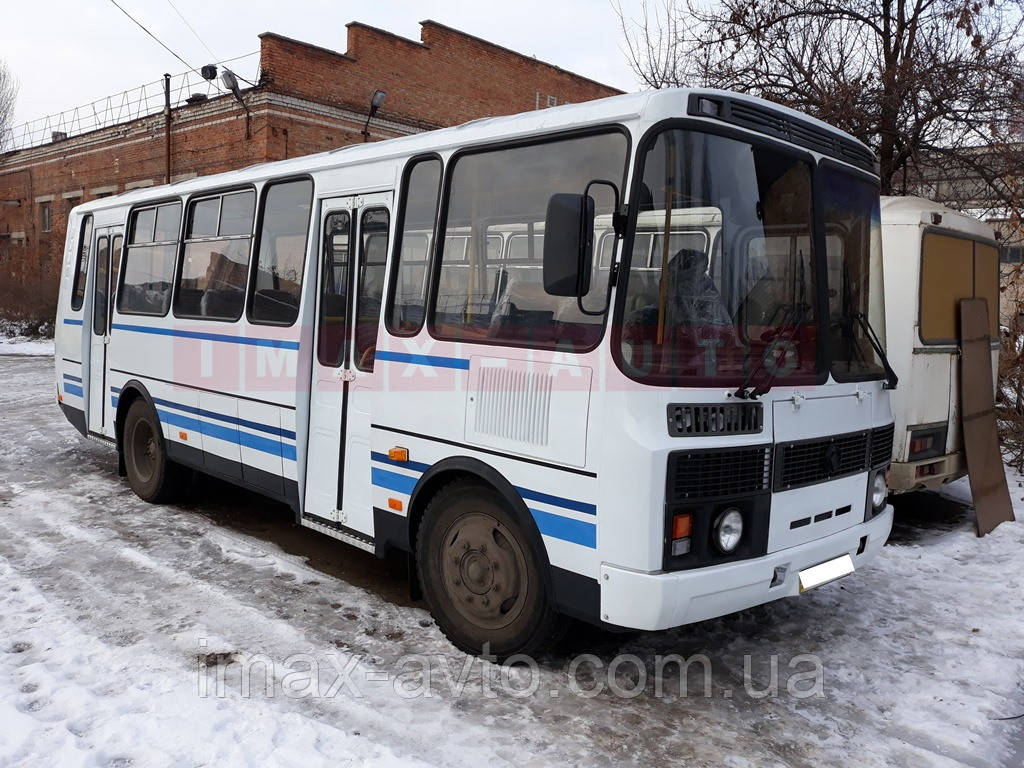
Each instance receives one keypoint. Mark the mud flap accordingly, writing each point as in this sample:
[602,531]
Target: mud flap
[981,440]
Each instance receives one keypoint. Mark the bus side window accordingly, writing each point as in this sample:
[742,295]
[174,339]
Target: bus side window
[82,265]
[277,273]
[408,289]
[373,250]
[334,276]
[99,300]
[148,269]
[215,265]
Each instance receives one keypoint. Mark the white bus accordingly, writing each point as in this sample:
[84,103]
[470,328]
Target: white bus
[937,256]
[611,361]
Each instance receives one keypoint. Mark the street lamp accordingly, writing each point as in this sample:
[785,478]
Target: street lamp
[375,101]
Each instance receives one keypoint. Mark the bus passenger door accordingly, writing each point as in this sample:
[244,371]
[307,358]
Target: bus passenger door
[108,258]
[372,229]
[331,376]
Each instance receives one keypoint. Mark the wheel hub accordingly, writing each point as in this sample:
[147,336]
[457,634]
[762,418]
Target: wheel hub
[483,570]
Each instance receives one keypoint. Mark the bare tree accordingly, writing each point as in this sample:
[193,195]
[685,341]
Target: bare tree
[8,96]
[935,87]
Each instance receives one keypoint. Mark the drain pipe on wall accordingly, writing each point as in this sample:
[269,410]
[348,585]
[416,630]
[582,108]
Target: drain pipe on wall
[167,128]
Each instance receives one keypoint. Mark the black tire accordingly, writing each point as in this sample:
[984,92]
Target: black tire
[481,573]
[153,476]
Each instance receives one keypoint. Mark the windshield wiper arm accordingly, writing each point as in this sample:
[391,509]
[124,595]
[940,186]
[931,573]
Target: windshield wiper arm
[799,313]
[891,379]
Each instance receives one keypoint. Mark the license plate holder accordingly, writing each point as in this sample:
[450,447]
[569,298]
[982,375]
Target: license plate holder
[825,572]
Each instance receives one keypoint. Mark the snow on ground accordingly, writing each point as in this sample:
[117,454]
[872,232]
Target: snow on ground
[125,627]
[19,345]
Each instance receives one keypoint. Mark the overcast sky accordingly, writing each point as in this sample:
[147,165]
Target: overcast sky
[66,53]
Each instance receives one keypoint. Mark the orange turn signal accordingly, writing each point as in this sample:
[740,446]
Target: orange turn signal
[398,454]
[183,436]
[681,526]
[395,504]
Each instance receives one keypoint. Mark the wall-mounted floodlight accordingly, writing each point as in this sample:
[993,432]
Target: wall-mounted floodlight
[375,101]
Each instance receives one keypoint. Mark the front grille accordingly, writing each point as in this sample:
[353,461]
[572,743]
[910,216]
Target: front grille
[692,420]
[718,473]
[814,461]
[881,446]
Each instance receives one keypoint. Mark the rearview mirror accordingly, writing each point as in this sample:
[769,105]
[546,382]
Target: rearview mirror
[568,244]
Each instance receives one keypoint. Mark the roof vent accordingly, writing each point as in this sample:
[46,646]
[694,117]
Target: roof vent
[196,98]
[58,135]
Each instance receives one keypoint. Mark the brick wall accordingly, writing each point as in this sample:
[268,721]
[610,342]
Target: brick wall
[309,99]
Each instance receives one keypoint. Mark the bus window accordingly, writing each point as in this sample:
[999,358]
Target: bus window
[277,277]
[481,298]
[99,302]
[211,283]
[333,315]
[408,283]
[148,267]
[373,245]
[82,267]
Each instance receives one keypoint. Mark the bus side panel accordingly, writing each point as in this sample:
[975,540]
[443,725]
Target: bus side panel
[68,336]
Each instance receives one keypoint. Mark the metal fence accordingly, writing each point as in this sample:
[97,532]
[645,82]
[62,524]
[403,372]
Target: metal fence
[142,101]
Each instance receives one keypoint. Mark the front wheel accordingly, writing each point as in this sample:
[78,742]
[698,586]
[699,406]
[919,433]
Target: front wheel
[480,574]
[153,476]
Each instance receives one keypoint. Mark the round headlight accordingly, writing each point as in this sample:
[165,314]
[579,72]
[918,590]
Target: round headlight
[879,492]
[728,530]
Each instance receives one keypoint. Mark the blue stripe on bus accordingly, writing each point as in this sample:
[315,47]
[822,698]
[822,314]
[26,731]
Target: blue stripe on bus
[548,523]
[558,501]
[392,480]
[71,321]
[69,377]
[229,435]
[414,465]
[268,428]
[247,340]
[73,389]
[566,528]
[429,360]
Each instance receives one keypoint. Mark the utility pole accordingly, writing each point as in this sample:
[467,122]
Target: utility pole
[167,127]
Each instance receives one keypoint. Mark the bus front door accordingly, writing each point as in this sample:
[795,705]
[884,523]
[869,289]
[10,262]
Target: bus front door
[108,258]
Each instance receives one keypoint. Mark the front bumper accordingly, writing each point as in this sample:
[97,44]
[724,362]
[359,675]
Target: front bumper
[652,601]
[903,476]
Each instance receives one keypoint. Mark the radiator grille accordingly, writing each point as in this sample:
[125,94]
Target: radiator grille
[815,461]
[881,445]
[718,473]
[689,420]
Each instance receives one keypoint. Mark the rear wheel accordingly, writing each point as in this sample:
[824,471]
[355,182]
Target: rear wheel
[153,476]
[481,573]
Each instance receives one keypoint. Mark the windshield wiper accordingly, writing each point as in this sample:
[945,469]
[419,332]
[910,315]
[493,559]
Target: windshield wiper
[799,313]
[891,380]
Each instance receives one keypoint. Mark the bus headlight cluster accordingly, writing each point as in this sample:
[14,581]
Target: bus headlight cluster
[879,491]
[728,530]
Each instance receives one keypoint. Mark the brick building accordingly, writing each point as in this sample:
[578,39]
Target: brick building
[307,99]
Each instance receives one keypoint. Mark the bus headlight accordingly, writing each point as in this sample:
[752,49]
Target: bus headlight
[879,491]
[728,530]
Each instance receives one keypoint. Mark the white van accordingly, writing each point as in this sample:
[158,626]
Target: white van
[932,257]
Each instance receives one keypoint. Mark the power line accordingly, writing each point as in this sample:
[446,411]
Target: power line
[212,54]
[143,28]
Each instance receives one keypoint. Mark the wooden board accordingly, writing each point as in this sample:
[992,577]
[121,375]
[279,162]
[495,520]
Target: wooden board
[981,441]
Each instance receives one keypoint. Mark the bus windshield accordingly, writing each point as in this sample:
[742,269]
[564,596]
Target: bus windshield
[722,280]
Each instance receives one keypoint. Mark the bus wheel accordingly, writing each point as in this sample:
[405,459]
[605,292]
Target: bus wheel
[152,476]
[480,574]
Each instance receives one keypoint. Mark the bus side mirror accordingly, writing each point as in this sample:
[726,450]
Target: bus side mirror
[568,244]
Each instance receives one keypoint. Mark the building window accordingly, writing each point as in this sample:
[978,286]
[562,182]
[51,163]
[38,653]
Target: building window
[277,277]
[45,217]
[148,268]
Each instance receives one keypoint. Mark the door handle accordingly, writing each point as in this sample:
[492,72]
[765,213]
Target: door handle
[348,375]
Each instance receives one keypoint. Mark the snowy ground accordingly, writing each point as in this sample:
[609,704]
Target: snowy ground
[118,619]
[20,345]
